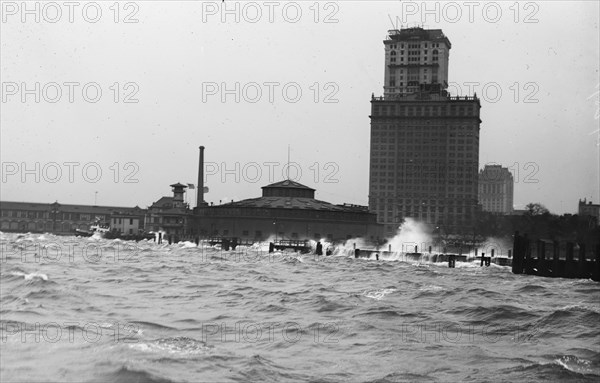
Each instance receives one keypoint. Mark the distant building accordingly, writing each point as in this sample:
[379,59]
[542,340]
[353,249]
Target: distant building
[287,210]
[170,215]
[127,224]
[59,218]
[496,189]
[587,208]
[424,155]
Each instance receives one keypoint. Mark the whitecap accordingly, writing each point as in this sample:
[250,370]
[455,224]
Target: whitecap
[30,276]
[182,346]
[378,294]
[574,364]
[431,288]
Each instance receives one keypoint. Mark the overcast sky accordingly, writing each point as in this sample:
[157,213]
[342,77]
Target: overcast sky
[178,66]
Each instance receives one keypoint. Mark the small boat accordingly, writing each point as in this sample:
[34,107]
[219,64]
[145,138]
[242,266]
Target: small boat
[96,229]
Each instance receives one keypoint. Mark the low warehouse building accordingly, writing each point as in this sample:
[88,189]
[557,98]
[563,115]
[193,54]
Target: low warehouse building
[287,210]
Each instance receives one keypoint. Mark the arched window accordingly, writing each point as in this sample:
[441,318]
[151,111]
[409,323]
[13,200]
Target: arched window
[435,51]
[393,53]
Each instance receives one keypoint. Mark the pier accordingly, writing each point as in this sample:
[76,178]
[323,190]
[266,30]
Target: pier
[449,258]
[290,244]
[553,258]
[228,243]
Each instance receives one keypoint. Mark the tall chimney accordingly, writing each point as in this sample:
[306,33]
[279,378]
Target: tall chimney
[201,178]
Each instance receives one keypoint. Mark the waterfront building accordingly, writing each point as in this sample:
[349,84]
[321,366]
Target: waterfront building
[424,150]
[496,189]
[60,218]
[287,210]
[171,215]
[588,209]
[126,223]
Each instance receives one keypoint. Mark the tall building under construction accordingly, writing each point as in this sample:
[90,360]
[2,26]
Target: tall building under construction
[424,142]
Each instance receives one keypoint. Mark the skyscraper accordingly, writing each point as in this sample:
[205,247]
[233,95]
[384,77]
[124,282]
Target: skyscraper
[424,142]
[496,189]
[415,58]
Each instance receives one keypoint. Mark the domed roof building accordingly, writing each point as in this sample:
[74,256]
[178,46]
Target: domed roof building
[287,210]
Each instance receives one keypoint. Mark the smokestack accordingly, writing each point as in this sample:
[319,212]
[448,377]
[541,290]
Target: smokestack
[201,178]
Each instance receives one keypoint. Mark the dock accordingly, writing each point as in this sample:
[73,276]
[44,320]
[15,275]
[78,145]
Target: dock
[228,243]
[302,246]
[556,259]
[449,258]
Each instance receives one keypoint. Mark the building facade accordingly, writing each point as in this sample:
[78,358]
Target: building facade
[424,150]
[496,189]
[415,58]
[171,215]
[127,224]
[589,209]
[287,210]
[59,218]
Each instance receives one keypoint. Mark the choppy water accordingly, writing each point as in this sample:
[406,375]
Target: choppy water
[158,313]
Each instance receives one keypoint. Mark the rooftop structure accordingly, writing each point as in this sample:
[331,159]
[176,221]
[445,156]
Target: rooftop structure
[416,59]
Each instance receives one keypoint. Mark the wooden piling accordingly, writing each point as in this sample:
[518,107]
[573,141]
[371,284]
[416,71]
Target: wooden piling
[543,264]
[557,268]
[451,261]
[517,262]
[485,260]
[540,264]
[596,272]
[528,262]
[569,263]
[582,271]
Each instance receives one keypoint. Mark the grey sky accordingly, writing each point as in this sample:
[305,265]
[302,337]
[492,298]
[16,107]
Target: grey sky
[544,123]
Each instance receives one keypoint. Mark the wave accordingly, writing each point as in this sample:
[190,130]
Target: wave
[152,325]
[378,294]
[402,377]
[561,369]
[532,289]
[493,314]
[30,276]
[260,369]
[383,314]
[127,374]
[179,346]
[573,314]
[484,293]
